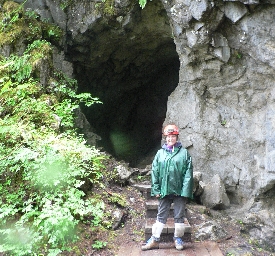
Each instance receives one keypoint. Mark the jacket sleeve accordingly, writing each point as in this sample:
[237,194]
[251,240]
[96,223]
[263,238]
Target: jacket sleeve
[187,188]
[155,179]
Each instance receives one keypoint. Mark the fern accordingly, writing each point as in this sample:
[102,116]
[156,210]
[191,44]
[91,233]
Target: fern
[20,68]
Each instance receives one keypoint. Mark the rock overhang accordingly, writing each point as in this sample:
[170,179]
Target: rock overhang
[130,62]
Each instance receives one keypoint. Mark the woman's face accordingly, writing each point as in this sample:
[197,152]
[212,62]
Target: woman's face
[171,140]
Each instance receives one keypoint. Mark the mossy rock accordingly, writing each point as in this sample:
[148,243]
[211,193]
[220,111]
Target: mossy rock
[23,27]
[10,7]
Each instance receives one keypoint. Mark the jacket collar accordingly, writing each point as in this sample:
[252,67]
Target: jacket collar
[177,145]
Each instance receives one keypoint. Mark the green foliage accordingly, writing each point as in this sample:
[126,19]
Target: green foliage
[54,204]
[17,25]
[223,122]
[11,14]
[64,4]
[239,55]
[31,14]
[116,198]
[46,174]
[99,244]
[142,3]
[66,106]
[106,7]
[43,162]
[20,68]
[51,32]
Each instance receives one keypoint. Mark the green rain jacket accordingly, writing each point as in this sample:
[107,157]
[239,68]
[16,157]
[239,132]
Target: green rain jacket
[172,172]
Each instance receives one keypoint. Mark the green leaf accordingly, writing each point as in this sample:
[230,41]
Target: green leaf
[142,3]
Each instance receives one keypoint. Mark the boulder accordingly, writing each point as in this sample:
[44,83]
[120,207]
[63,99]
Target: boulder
[210,230]
[117,216]
[124,172]
[214,195]
[197,188]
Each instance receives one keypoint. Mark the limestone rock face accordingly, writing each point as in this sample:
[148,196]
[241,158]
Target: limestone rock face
[224,98]
[224,103]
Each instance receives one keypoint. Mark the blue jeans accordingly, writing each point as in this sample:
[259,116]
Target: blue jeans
[165,205]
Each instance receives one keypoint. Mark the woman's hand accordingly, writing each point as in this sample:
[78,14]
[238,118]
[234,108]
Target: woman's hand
[157,196]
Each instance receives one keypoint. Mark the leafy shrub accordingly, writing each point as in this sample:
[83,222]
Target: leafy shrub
[43,162]
[53,203]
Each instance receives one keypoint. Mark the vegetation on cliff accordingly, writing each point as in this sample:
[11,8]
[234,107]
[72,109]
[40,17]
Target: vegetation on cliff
[44,164]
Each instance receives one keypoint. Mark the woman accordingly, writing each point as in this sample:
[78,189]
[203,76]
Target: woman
[172,182]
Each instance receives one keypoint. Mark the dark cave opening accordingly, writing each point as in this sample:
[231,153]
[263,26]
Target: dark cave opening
[132,69]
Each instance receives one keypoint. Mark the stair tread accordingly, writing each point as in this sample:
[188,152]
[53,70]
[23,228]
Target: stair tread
[142,187]
[152,204]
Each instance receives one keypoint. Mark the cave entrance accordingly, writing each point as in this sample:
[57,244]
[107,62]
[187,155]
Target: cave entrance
[132,65]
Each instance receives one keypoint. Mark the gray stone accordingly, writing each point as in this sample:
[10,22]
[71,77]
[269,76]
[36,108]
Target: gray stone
[56,125]
[117,216]
[17,48]
[61,64]
[214,195]
[197,190]
[48,10]
[222,50]
[210,230]
[181,14]
[218,40]
[256,221]
[228,119]
[250,2]
[223,53]
[124,172]
[5,50]
[198,8]
[44,71]
[234,11]
[84,127]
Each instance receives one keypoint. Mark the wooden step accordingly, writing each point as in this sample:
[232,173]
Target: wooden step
[152,204]
[145,190]
[168,230]
[206,248]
